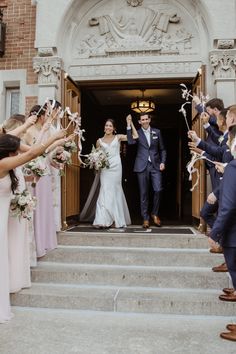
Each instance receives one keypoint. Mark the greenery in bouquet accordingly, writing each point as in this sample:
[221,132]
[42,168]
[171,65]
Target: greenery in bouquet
[22,205]
[70,146]
[62,157]
[97,159]
[36,168]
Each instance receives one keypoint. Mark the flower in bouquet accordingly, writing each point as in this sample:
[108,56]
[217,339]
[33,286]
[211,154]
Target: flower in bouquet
[97,159]
[62,157]
[36,168]
[70,146]
[22,205]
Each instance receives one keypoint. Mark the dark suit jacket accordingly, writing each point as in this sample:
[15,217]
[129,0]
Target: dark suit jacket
[156,150]
[224,229]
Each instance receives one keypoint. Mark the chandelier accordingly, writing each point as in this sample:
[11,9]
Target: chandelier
[143,105]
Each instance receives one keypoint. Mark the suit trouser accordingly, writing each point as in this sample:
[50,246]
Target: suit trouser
[230,259]
[144,178]
[208,213]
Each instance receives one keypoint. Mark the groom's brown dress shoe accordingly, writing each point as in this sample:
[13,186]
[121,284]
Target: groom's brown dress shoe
[156,220]
[145,224]
[229,336]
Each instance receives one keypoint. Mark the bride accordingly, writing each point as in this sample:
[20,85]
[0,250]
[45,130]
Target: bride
[111,206]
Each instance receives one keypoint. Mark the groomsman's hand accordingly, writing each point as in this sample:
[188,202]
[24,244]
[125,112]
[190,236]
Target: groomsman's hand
[162,166]
[193,135]
[205,117]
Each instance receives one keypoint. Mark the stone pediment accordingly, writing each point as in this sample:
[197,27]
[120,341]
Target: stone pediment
[133,28]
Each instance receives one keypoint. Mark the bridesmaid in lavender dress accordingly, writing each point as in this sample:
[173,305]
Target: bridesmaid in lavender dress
[44,219]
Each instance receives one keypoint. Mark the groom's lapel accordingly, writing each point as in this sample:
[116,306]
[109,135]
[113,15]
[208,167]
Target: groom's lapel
[143,136]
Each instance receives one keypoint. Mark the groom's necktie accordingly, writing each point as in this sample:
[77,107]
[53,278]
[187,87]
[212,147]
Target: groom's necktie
[148,137]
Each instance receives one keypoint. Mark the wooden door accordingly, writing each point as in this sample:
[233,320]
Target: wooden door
[199,193]
[70,187]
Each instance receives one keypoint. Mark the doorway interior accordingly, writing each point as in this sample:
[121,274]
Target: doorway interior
[102,100]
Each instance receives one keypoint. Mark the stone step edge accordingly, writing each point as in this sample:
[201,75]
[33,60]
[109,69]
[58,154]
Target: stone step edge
[124,288]
[227,319]
[133,249]
[60,265]
[129,234]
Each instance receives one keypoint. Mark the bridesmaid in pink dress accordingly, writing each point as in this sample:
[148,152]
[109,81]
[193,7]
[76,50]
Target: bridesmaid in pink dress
[9,160]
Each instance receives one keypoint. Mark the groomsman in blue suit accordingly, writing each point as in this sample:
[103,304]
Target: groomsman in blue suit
[149,163]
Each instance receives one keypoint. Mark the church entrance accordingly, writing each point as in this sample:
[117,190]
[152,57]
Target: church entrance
[102,100]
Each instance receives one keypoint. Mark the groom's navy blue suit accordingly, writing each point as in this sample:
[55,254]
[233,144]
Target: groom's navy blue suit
[147,165]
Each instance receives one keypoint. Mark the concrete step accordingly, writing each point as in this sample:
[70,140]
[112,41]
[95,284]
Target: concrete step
[134,256]
[59,331]
[144,239]
[131,299]
[150,276]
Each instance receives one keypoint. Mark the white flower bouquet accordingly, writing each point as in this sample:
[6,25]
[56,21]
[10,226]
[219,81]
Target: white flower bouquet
[61,157]
[70,146]
[22,205]
[97,159]
[36,168]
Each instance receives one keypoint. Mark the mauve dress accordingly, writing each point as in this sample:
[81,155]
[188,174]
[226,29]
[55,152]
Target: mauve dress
[44,218]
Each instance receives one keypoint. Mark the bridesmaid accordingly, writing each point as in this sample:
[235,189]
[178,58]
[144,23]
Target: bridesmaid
[9,160]
[19,228]
[44,219]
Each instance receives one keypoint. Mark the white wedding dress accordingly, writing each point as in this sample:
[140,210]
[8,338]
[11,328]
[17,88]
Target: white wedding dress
[111,207]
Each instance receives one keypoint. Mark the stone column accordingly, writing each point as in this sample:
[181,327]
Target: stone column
[223,63]
[48,67]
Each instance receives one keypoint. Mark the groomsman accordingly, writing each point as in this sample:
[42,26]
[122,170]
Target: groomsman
[149,164]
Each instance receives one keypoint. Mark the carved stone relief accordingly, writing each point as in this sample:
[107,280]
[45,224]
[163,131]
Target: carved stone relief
[223,63]
[48,69]
[133,29]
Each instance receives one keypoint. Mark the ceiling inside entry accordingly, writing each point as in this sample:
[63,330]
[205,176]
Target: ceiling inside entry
[125,93]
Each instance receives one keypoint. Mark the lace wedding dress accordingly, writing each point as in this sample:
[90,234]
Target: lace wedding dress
[111,207]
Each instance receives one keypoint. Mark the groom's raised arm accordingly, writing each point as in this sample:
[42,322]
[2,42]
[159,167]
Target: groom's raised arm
[130,139]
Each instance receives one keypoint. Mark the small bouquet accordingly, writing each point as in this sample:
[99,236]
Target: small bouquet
[97,159]
[62,157]
[70,146]
[22,205]
[36,168]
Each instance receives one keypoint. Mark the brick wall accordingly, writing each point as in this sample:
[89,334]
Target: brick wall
[20,19]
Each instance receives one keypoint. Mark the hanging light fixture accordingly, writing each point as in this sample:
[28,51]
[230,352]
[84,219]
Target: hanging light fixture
[143,105]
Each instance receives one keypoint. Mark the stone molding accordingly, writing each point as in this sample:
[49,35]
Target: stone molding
[48,69]
[223,63]
[225,44]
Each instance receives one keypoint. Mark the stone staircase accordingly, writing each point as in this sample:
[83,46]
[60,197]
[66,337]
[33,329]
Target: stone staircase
[129,272]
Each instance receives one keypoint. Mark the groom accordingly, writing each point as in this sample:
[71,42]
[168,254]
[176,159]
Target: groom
[149,164]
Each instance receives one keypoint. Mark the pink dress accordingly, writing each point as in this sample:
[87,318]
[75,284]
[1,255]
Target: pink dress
[44,219]
[19,246]
[5,195]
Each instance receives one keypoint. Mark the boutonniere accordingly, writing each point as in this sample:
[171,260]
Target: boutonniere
[153,134]
[221,138]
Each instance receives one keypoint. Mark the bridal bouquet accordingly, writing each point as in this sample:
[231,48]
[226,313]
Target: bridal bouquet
[22,205]
[36,168]
[97,159]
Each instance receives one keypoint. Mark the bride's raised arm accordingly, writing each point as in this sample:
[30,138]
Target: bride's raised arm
[123,137]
